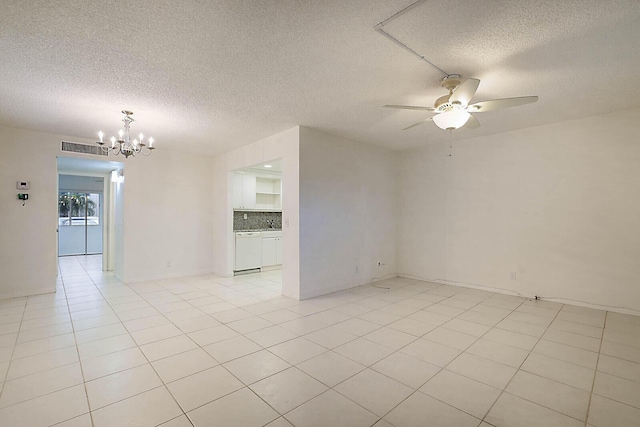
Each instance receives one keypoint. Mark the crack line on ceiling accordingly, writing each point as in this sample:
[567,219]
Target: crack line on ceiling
[380,30]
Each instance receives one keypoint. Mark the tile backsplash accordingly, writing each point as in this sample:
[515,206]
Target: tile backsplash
[256,220]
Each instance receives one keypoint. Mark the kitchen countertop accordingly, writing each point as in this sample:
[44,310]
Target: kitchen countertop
[257,229]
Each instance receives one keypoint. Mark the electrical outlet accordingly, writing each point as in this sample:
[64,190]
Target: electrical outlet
[244,216]
[513,275]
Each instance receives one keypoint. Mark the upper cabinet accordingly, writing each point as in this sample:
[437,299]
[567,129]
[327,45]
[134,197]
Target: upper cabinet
[244,191]
[251,192]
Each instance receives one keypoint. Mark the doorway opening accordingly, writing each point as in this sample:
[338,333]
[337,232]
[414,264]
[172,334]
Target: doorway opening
[80,217]
[257,224]
[87,197]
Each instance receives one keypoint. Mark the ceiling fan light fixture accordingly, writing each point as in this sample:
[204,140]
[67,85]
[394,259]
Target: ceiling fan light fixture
[451,120]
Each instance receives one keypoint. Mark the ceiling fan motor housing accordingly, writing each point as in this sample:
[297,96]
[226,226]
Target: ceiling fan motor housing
[451,82]
[442,104]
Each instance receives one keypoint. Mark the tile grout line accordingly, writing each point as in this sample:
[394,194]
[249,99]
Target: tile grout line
[198,345]
[518,369]
[84,383]
[525,359]
[15,344]
[595,372]
[248,386]
[452,360]
[327,308]
[65,388]
[221,365]
[137,346]
[99,290]
[79,363]
[477,338]
[441,368]
[163,385]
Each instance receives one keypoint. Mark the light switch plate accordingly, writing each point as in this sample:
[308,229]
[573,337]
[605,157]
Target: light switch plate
[22,185]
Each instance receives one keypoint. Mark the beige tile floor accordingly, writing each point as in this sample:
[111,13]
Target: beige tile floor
[213,351]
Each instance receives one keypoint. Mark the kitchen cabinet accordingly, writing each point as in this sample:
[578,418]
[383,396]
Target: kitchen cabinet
[269,251]
[244,191]
[271,248]
[253,192]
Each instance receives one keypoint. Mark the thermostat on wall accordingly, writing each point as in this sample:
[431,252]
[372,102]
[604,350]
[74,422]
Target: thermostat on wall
[22,185]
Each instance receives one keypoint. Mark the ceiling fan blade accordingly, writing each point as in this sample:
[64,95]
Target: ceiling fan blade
[472,123]
[409,107]
[497,104]
[428,119]
[465,92]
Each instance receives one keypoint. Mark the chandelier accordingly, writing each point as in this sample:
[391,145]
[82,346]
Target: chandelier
[124,145]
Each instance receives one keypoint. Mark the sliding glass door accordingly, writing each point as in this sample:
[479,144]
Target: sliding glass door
[79,223]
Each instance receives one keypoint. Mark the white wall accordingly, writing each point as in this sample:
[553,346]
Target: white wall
[167,213]
[348,213]
[284,145]
[558,205]
[28,233]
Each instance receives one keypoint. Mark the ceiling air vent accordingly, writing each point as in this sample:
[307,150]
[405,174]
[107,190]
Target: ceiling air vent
[74,147]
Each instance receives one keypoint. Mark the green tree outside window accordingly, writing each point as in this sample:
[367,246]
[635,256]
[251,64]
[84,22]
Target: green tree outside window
[74,205]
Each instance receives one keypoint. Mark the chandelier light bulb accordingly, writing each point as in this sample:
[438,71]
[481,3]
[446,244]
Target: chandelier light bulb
[100,135]
[113,141]
[141,137]
[150,142]
[120,133]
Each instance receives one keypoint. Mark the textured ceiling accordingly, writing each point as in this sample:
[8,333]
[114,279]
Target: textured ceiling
[212,76]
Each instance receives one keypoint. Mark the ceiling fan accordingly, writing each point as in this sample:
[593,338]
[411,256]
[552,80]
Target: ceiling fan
[453,111]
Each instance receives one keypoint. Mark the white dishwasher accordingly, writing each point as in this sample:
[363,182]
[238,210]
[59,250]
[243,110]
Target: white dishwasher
[248,250]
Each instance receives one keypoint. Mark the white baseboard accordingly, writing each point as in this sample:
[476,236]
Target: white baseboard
[344,287]
[32,292]
[621,310]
